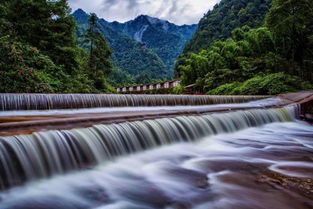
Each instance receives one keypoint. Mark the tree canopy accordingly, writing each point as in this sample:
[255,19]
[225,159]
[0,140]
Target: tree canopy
[39,50]
[218,23]
[274,58]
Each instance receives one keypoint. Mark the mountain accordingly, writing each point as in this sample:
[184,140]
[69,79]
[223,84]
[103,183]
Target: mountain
[132,60]
[218,23]
[163,37]
[144,48]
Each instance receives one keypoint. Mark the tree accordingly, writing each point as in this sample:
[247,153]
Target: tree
[25,69]
[275,58]
[99,62]
[91,32]
[46,25]
[291,21]
[4,24]
[218,24]
[39,50]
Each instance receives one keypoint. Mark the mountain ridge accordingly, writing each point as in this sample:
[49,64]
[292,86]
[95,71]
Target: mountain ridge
[157,36]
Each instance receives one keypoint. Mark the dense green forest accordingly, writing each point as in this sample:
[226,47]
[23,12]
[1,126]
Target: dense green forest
[273,58]
[144,49]
[240,47]
[39,52]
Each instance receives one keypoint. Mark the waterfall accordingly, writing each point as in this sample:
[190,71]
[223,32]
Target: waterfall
[29,157]
[74,101]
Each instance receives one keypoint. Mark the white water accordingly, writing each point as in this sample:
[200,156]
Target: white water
[43,154]
[253,104]
[74,101]
[202,162]
[219,172]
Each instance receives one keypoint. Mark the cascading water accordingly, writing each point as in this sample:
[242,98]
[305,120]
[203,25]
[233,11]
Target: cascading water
[43,154]
[73,101]
[267,167]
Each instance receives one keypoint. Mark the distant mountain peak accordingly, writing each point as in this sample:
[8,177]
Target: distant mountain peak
[153,21]
[146,19]
[80,16]
[79,12]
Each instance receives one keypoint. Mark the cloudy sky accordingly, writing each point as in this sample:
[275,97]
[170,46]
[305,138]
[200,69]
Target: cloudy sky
[176,11]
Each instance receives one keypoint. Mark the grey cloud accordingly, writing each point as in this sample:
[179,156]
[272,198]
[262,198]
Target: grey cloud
[132,4]
[177,11]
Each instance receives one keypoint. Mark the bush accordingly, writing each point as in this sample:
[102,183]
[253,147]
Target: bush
[226,89]
[178,90]
[24,69]
[271,84]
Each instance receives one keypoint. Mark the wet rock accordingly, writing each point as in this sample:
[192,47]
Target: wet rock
[301,186]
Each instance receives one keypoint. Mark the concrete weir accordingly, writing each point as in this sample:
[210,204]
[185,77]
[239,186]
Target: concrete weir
[99,112]
[75,101]
[40,144]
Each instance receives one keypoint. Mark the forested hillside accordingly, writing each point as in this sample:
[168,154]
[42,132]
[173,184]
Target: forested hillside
[240,47]
[144,49]
[133,61]
[39,52]
[258,57]
[166,39]
[218,23]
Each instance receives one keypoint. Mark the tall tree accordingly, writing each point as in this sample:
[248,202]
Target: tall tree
[4,24]
[99,62]
[91,33]
[47,25]
[291,21]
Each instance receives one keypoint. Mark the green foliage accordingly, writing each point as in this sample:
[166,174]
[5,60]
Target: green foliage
[99,64]
[218,24]
[195,67]
[265,60]
[139,61]
[224,18]
[225,89]
[46,25]
[237,59]
[25,69]
[121,78]
[178,90]
[219,77]
[270,84]
[166,44]
[39,51]
[291,22]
